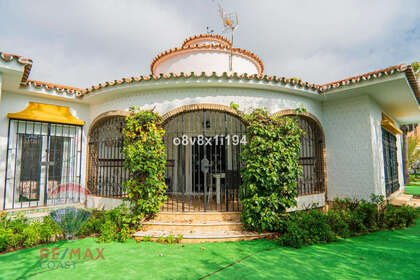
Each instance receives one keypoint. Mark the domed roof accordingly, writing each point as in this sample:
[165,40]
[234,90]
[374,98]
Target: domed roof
[206,53]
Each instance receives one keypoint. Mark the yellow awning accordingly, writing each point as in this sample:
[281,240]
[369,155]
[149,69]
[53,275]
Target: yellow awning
[389,125]
[46,113]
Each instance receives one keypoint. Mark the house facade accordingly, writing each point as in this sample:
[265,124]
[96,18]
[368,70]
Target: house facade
[56,140]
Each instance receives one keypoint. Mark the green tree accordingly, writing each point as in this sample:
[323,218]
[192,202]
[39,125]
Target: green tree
[413,152]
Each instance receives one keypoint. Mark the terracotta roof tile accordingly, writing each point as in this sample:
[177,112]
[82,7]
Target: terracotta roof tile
[364,77]
[407,69]
[50,86]
[7,57]
[202,37]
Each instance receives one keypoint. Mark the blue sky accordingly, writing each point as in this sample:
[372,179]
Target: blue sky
[82,43]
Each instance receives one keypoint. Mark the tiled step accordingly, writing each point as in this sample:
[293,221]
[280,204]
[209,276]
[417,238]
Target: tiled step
[198,217]
[198,227]
[213,236]
[193,227]
[402,199]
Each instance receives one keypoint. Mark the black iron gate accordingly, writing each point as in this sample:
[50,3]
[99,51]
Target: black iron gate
[106,172]
[311,158]
[389,142]
[203,164]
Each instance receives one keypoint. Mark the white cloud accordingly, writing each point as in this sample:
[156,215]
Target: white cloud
[81,43]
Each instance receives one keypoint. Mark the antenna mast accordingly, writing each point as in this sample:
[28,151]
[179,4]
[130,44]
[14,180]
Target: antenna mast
[230,23]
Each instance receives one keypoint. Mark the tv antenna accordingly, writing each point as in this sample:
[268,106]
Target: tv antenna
[209,30]
[230,23]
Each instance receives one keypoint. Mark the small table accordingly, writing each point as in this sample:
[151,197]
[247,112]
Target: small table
[218,176]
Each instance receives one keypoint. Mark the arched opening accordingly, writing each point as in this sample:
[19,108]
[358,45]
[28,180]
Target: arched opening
[106,172]
[203,145]
[312,154]
[311,158]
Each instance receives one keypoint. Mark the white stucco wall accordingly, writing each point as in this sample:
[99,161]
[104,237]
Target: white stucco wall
[355,166]
[15,102]
[198,62]
[350,169]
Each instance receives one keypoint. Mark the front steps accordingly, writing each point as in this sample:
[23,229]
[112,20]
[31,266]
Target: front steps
[405,199]
[196,227]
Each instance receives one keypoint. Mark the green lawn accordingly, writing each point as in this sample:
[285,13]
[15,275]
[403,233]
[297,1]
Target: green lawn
[382,255]
[412,189]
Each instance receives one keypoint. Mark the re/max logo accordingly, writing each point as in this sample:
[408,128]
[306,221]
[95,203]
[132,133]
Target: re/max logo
[63,257]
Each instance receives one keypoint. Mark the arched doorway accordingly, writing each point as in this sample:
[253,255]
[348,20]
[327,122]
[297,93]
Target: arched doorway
[203,164]
[311,158]
[312,154]
[106,172]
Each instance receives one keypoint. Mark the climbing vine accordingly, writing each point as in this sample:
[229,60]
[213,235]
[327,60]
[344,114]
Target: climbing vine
[144,154]
[271,168]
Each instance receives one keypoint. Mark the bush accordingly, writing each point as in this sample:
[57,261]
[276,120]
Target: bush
[271,168]
[399,217]
[306,228]
[49,230]
[145,160]
[338,222]
[70,219]
[93,224]
[111,225]
[346,218]
[16,232]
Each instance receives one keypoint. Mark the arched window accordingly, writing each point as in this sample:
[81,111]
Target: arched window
[311,157]
[106,172]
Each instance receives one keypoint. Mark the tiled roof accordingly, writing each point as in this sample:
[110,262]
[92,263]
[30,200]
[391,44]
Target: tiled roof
[214,75]
[243,78]
[50,86]
[408,69]
[364,77]
[188,48]
[202,37]
[24,82]
[7,57]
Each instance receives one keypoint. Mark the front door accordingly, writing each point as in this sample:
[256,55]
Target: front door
[197,139]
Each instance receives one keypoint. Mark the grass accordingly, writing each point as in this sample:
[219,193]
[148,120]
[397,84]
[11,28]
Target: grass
[412,189]
[382,255]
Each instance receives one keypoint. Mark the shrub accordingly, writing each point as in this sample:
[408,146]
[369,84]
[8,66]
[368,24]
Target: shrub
[6,235]
[18,232]
[115,225]
[366,213]
[271,168]
[49,230]
[399,217]
[346,218]
[144,159]
[70,219]
[32,235]
[107,231]
[338,221]
[93,224]
[306,228]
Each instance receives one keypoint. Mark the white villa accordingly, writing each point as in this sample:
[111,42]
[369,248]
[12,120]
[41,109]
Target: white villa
[54,138]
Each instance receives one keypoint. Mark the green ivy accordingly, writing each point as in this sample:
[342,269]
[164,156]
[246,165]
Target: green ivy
[145,160]
[271,168]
